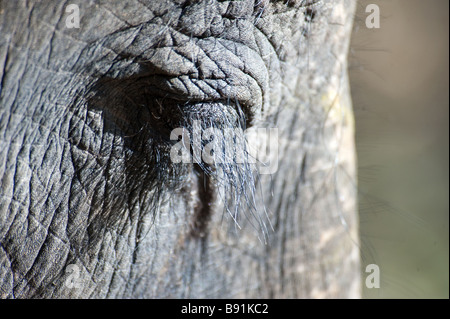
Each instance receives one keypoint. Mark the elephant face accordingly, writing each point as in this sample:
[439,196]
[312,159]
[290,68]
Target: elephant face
[93,203]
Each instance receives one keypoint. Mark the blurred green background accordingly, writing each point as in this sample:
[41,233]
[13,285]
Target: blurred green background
[399,78]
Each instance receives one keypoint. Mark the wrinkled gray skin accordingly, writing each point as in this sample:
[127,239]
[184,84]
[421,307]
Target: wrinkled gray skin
[90,205]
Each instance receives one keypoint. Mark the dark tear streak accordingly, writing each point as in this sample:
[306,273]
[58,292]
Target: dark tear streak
[202,210]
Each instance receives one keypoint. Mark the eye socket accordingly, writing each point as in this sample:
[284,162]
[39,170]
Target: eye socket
[133,108]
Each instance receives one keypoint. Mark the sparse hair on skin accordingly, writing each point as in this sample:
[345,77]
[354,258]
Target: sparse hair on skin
[149,170]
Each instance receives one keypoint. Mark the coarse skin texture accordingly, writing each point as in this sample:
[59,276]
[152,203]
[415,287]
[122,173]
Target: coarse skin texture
[85,171]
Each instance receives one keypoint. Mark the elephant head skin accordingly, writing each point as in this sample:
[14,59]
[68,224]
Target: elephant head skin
[93,203]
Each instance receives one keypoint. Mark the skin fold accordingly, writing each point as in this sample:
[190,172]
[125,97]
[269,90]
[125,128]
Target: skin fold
[92,204]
